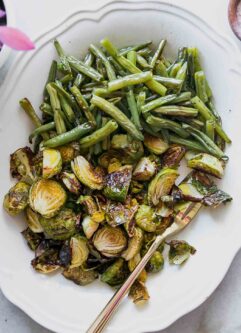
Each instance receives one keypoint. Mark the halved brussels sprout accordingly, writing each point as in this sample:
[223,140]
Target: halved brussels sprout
[110,241]
[139,293]
[71,182]
[89,204]
[80,276]
[163,210]
[207,163]
[116,273]
[155,145]
[144,169]
[134,245]
[130,150]
[61,226]
[32,219]
[52,162]
[136,187]
[156,263]
[67,153]
[164,224]
[145,217]
[117,183]
[117,213]
[79,251]
[32,238]
[179,252]
[161,185]
[89,226]
[87,175]
[114,165]
[16,200]
[47,197]
[21,165]
[132,263]
[173,156]
[47,262]
[189,192]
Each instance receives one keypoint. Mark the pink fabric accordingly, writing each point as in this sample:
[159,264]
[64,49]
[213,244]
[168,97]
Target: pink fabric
[15,39]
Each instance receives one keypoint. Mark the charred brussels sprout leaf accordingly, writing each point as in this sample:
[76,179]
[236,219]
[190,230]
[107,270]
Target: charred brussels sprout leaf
[161,185]
[62,226]
[207,163]
[138,293]
[71,182]
[173,156]
[179,252]
[87,175]
[80,276]
[117,184]
[156,263]
[79,251]
[21,165]
[155,145]
[33,239]
[110,241]
[16,200]
[134,245]
[116,273]
[130,150]
[65,255]
[47,197]
[32,219]
[144,169]
[145,218]
[52,163]
[217,198]
[47,262]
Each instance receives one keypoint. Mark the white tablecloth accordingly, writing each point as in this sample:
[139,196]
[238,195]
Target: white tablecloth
[221,313]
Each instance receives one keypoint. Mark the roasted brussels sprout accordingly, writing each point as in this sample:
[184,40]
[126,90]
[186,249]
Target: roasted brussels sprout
[16,200]
[156,263]
[89,204]
[21,165]
[114,165]
[164,224]
[132,263]
[52,163]
[47,197]
[116,273]
[32,219]
[161,185]
[173,156]
[61,226]
[145,169]
[155,145]
[138,293]
[80,276]
[67,153]
[216,198]
[47,262]
[33,239]
[134,245]
[179,252]
[207,163]
[117,183]
[87,175]
[79,251]
[189,192]
[89,226]
[110,241]
[117,213]
[130,150]
[71,182]
[145,218]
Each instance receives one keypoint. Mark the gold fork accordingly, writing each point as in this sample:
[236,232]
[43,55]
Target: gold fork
[182,219]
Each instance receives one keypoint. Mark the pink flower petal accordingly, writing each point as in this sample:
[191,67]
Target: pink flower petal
[2,13]
[15,39]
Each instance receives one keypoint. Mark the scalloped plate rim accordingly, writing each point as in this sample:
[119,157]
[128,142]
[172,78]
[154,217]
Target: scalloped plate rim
[21,60]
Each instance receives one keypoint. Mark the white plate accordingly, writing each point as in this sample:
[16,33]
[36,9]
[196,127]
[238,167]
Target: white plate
[59,304]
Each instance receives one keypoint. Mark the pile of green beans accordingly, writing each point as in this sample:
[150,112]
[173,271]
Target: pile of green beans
[134,89]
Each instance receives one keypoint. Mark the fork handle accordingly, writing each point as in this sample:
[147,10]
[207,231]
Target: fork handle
[105,315]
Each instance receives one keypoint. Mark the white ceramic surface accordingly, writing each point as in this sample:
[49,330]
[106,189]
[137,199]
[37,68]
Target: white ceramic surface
[6,51]
[57,303]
